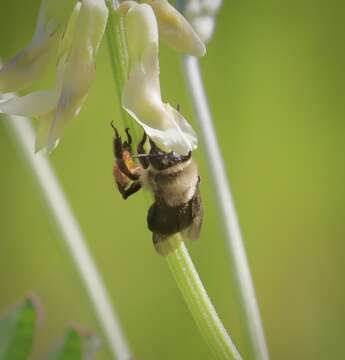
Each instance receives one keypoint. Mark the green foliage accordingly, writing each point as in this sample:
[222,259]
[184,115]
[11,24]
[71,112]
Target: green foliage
[75,346]
[71,347]
[17,330]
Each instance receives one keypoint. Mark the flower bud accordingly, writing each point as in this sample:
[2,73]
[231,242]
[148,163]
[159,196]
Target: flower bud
[175,30]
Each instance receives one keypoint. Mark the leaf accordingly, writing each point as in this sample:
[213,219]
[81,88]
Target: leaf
[75,346]
[17,330]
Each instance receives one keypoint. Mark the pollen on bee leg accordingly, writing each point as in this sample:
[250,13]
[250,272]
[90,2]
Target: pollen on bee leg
[127,158]
[129,162]
[122,179]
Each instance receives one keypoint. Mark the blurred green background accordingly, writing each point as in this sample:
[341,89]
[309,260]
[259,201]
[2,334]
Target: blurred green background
[275,76]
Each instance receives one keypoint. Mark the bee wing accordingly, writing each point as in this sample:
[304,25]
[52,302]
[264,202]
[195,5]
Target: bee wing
[193,231]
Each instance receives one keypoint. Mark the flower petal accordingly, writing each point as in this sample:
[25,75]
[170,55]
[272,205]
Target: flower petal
[175,30]
[42,133]
[53,15]
[34,104]
[28,64]
[68,35]
[141,94]
[78,66]
[141,98]
[183,130]
[141,30]
[179,136]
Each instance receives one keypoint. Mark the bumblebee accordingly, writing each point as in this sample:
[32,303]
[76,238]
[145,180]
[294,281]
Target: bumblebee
[172,179]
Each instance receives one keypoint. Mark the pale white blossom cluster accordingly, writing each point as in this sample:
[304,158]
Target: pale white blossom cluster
[202,15]
[72,30]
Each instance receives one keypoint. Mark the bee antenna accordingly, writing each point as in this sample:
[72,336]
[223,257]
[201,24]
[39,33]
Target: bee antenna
[114,128]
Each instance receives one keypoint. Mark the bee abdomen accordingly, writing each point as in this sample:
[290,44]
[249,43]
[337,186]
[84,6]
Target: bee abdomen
[167,220]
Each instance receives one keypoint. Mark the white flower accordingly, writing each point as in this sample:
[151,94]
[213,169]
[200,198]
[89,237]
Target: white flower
[77,46]
[141,95]
[75,71]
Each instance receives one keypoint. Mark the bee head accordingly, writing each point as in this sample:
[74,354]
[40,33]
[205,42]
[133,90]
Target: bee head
[162,160]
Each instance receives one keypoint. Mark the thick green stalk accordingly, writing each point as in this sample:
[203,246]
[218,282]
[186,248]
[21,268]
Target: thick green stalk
[199,303]
[179,260]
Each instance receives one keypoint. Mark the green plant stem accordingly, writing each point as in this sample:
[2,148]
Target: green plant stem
[228,215]
[179,260]
[118,54]
[248,302]
[199,303]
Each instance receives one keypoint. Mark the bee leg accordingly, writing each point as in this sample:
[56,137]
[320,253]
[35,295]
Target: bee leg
[132,189]
[119,149]
[127,144]
[144,161]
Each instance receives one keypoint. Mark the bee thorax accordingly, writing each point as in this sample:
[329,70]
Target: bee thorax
[174,186]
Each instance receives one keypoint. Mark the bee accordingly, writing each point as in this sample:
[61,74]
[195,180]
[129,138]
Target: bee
[174,182]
